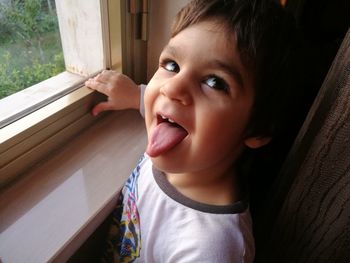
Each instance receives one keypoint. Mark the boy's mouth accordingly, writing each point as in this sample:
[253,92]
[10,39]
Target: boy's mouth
[161,119]
[165,136]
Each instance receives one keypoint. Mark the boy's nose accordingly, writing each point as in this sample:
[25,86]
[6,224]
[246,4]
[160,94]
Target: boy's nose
[178,89]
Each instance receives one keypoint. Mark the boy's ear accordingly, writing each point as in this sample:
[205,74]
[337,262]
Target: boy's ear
[256,142]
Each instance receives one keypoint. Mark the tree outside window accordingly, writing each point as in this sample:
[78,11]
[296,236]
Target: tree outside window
[30,46]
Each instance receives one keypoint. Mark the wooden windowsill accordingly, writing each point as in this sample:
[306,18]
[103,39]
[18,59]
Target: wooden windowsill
[49,212]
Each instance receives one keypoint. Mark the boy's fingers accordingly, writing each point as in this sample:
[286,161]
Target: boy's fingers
[104,76]
[99,77]
[95,85]
[102,106]
[91,83]
[88,82]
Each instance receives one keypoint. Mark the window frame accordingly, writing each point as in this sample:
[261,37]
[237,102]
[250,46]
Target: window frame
[63,108]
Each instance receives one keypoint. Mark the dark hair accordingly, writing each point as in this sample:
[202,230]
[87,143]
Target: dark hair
[264,33]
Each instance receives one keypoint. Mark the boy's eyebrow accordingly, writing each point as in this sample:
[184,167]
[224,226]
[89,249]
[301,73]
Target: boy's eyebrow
[171,50]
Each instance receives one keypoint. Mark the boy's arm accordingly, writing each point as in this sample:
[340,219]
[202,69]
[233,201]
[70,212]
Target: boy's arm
[122,92]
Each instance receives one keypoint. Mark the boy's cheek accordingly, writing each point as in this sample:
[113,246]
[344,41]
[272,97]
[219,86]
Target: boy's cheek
[148,108]
[147,101]
[150,96]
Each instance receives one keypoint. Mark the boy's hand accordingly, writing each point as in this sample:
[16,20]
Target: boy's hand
[122,92]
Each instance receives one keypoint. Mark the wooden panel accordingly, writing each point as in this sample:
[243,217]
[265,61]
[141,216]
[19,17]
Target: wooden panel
[314,222]
[115,34]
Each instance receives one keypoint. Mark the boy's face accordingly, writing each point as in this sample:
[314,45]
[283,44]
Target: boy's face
[198,103]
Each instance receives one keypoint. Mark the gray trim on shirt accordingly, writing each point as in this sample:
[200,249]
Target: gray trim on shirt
[170,190]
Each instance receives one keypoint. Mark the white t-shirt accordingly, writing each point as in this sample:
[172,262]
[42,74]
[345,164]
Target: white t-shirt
[159,224]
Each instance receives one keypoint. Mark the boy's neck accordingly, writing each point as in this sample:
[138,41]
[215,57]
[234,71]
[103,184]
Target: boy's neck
[213,190]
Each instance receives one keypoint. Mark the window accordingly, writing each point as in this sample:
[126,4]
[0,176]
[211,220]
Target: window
[30,46]
[38,119]
[84,55]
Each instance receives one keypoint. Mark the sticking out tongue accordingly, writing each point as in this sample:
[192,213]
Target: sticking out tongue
[164,137]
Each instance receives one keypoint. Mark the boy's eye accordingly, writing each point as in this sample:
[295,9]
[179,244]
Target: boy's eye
[171,66]
[216,83]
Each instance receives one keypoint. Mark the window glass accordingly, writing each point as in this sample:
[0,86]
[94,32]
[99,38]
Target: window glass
[30,45]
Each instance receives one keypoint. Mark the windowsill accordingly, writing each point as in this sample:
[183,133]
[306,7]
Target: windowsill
[48,213]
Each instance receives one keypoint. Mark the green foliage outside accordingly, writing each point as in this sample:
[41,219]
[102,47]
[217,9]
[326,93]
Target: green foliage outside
[30,48]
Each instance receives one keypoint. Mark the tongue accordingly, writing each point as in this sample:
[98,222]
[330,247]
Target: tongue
[164,137]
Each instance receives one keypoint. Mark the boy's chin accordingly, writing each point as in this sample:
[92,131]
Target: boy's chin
[167,165]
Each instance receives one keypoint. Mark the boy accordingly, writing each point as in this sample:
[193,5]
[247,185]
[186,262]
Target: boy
[215,94]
